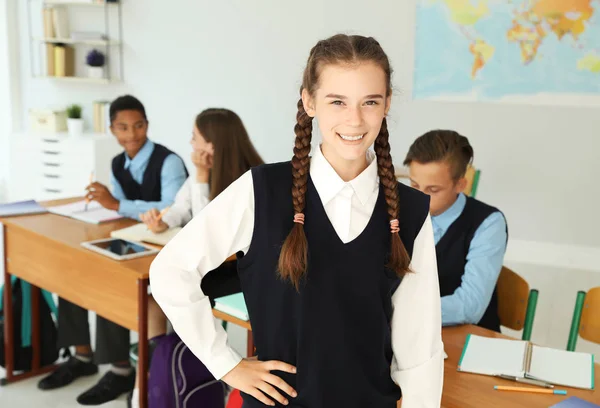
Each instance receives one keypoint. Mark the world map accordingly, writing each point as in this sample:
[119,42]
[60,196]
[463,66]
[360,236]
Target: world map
[498,49]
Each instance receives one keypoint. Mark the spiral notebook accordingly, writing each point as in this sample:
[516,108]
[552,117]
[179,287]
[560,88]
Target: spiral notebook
[93,214]
[522,359]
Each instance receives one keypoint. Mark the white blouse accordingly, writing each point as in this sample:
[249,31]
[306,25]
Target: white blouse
[191,198]
[225,227]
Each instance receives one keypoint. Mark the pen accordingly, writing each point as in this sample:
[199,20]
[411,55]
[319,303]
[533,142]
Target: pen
[87,200]
[526,381]
[534,390]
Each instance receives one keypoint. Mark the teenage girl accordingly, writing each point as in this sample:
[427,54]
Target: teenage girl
[336,258]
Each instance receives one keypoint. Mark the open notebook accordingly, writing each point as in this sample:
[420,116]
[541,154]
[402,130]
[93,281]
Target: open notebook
[516,358]
[95,213]
[234,305]
[140,232]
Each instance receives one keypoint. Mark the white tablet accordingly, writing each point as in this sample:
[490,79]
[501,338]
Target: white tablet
[119,249]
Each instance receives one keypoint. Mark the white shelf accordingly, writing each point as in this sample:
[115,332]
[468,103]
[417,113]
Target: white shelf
[71,41]
[102,81]
[78,3]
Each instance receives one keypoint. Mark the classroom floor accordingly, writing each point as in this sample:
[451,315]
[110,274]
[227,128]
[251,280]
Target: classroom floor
[25,394]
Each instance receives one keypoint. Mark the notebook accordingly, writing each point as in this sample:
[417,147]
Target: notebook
[95,213]
[574,402]
[21,208]
[233,305]
[140,232]
[516,358]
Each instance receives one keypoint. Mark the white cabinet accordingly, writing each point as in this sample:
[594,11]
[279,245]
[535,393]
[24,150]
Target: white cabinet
[48,167]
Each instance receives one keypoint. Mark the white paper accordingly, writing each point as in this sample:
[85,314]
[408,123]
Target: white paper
[491,356]
[95,213]
[561,367]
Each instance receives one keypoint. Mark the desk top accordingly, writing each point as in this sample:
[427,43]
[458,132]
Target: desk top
[464,390]
[71,232]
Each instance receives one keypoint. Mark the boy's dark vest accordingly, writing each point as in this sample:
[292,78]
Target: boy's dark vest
[150,189]
[452,250]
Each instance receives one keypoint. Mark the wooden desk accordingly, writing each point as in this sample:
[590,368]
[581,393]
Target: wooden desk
[463,390]
[45,251]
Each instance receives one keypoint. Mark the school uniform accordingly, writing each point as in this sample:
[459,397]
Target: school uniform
[148,180]
[471,239]
[189,201]
[354,329]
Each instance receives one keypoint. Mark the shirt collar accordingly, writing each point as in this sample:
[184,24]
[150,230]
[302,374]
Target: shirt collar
[328,183]
[445,219]
[140,158]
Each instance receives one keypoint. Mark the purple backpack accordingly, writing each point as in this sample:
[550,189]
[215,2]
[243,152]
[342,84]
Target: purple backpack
[179,380]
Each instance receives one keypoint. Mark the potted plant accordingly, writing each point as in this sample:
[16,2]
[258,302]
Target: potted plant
[74,120]
[95,62]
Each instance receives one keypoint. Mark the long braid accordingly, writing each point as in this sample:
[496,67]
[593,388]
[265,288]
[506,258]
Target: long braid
[293,259]
[399,259]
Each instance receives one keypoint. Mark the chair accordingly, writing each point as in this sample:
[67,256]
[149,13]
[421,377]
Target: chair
[586,318]
[516,303]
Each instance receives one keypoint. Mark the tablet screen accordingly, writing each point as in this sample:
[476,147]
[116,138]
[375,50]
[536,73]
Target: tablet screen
[121,247]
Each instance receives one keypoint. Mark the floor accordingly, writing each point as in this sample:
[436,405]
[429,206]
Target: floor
[24,394]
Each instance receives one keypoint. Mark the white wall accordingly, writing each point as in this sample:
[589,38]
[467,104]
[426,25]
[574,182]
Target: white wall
[9,89]
[540,164]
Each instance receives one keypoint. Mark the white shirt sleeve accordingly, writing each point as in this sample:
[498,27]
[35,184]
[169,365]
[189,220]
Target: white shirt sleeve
[180,213]
[223,228]
[418,364]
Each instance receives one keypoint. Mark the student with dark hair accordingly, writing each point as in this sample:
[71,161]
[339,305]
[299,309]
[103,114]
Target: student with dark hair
[470,236]
[146,175]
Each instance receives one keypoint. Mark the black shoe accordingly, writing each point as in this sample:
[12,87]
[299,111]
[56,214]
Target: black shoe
[129,398]
[66,373]
[110,387]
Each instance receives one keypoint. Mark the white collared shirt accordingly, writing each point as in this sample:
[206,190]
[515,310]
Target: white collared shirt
[225,227]
[191,198]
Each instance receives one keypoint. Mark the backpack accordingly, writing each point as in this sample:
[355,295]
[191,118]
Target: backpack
[179,380]
[21,308]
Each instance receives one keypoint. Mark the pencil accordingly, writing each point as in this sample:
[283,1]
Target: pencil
[534,390]
[163,212]
[87,200]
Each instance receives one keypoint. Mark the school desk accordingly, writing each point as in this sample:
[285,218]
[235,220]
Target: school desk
[45,251]
[463,390]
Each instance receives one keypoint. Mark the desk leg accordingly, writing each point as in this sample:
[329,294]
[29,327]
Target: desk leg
[8,317]
[250,344]
[143,340]
[36,356]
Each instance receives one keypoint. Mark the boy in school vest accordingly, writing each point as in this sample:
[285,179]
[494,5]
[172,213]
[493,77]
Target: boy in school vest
[470,236]
[146,175]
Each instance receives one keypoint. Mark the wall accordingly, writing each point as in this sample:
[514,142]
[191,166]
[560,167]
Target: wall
[539,163]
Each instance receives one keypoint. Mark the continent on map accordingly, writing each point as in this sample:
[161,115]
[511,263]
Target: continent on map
[591,62]
[529,33]
[463,12]
[482,52]
[564,17]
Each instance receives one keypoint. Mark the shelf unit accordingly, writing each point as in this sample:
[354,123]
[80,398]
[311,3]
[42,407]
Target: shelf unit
[111,46]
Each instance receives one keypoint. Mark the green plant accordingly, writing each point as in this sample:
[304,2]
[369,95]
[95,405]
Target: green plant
[74,111]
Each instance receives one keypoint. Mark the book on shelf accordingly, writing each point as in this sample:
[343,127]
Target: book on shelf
[64,61]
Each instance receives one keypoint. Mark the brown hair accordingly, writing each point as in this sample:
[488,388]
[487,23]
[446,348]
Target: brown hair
[442,145]
[234,152]
[347,50]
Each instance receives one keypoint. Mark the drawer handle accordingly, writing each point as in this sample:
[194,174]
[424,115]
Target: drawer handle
[51,190]
[51,164]
[52,176]
[50,140]
[51,152]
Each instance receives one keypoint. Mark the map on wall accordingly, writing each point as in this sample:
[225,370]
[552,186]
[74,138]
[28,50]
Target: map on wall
[532,51]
